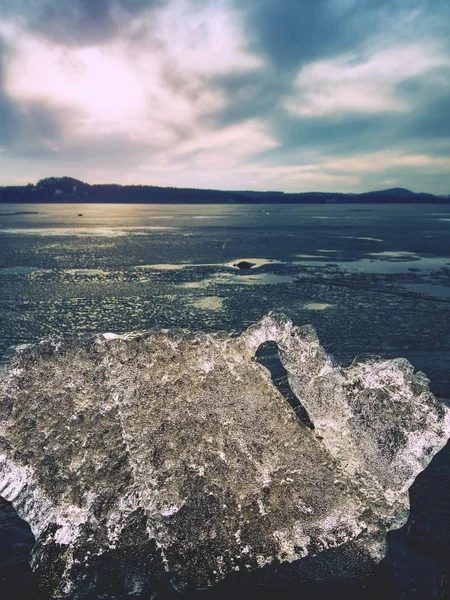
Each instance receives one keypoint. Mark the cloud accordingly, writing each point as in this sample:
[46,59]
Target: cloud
[376,161]
[328,94]
[25,125]
[293,33]
[355,85]
[153,95]
[77,22]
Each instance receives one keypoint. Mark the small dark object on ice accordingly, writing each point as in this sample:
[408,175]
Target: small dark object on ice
[244,265]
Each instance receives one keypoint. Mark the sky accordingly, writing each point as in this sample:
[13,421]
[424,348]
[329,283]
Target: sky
[292,95]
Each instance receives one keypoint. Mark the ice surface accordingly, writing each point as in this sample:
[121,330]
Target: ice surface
[173,453]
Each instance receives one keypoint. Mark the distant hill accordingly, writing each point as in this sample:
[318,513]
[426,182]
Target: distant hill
[69,190]
[394,192]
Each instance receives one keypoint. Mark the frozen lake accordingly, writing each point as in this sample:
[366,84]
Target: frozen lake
[371,279]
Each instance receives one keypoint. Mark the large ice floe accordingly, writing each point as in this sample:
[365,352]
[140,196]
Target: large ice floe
[170,456]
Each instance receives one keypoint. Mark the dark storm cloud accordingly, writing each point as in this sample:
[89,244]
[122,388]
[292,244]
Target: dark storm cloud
[25,126]
[249,94]
[8,110]
[293,32]
[431,117]
[8,119]
[344,136]
[77,22]
[426,130]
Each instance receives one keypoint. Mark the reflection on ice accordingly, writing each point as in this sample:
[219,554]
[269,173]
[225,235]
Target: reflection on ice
[196,284]
[83,231]
[209,302]
[164,266]
[18,270]
[317,306]
[86,272]
[438,291]
[257,279]
[367,239]
[380,262]
[253,262]
[312,256]
[402,255]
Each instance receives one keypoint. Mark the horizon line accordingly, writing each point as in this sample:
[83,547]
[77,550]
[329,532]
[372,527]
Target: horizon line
[224,190]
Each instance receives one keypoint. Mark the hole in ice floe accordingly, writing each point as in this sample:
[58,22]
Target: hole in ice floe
[267,355]
[16,542]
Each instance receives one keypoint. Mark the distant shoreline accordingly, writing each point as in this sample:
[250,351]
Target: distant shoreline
[66,190]
[437,202]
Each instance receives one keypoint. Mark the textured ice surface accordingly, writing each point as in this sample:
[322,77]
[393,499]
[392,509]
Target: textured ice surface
[172,455]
